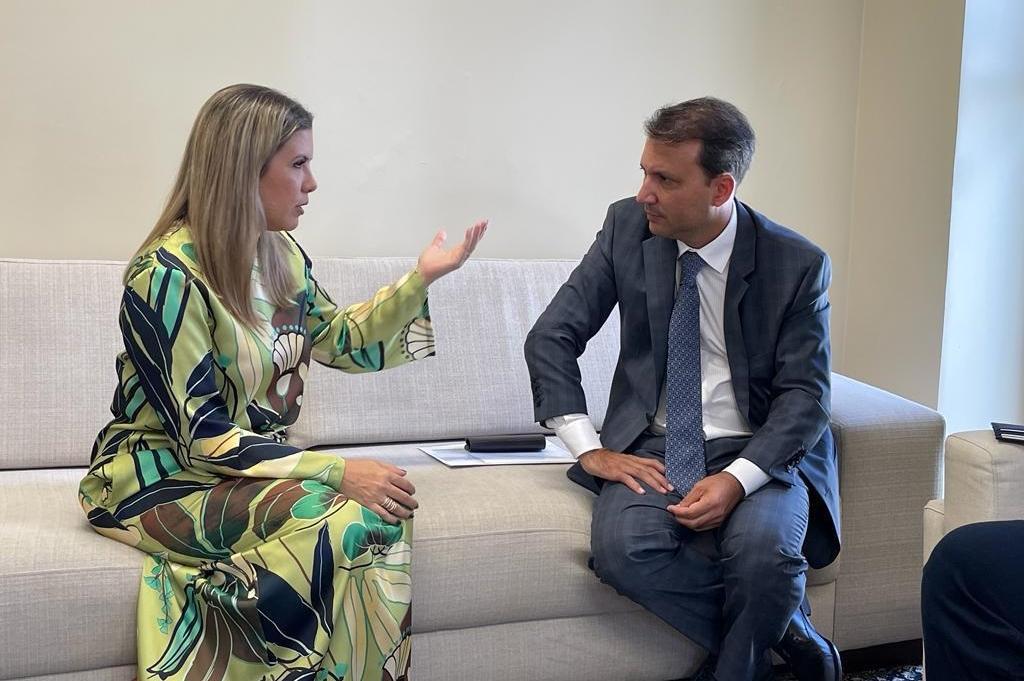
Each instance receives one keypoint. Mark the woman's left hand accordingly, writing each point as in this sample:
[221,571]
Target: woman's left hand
[435,262]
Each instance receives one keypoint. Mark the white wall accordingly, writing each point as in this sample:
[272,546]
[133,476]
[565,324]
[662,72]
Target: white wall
[530,113]
[427,113]
[903,175]
[983,348]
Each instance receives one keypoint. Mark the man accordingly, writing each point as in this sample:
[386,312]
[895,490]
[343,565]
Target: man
[715,471]
[972,604]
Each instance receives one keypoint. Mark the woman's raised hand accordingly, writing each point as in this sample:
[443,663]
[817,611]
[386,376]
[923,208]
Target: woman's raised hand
[435,262]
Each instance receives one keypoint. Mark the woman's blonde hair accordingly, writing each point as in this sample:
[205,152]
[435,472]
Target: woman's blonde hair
[216,194]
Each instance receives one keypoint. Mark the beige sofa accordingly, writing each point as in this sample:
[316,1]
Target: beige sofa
[502,590]
[984,480]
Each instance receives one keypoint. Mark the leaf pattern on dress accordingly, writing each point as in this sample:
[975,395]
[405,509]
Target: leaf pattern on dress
[288,620]
[274,509]
[321,583]
[229,591]
[210,416]
[184,638]
[161,492]
[173,528]
[364,536]
[317,501]
[227,510]
[258,567]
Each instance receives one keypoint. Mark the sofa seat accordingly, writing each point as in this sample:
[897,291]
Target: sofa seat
[501,547]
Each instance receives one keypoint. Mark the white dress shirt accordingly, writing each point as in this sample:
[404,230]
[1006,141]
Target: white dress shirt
[722,418]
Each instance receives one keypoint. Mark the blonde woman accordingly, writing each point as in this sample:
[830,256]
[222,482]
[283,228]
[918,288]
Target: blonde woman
[264,561]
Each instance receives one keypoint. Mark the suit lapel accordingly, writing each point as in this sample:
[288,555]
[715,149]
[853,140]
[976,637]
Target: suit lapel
[660,256]
[741,264]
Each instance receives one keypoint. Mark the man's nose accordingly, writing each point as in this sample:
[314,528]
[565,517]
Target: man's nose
[644,195]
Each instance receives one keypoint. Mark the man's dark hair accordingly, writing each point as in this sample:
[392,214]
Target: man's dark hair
[728,139]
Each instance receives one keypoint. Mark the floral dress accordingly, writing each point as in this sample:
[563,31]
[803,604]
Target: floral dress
[257,567]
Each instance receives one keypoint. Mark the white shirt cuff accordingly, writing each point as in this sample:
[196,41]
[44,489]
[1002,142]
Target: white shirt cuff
[576,431]
[750,476]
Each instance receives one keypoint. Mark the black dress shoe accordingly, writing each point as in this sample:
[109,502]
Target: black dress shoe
[705,673]
[706,670]
[810,656]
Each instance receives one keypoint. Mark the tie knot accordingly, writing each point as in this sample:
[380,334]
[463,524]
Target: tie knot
[691,263]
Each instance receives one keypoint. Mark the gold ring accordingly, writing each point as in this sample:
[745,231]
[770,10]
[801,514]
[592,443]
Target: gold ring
[389,504]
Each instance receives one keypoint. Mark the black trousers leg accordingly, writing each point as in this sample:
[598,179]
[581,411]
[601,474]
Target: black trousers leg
[972,604]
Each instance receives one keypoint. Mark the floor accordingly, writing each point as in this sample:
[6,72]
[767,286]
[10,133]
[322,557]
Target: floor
[891,662]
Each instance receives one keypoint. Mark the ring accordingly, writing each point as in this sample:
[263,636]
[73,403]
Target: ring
[389,504]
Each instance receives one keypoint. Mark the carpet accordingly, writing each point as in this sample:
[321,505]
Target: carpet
[897,674]
[893,674]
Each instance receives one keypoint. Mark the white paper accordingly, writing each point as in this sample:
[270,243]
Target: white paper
[456,455]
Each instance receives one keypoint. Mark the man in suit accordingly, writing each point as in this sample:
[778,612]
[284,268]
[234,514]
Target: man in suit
[715,471]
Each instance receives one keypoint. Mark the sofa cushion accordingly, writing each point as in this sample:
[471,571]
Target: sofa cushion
[60,582]
[492,545]
[58,341]
[477,383]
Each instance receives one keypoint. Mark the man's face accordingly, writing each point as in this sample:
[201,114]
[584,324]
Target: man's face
[676,193]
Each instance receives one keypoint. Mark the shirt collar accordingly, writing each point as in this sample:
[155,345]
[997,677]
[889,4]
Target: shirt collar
[717,253]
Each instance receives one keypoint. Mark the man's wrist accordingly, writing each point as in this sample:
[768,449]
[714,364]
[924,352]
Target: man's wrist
[737,483]
[749,475]
[577,433]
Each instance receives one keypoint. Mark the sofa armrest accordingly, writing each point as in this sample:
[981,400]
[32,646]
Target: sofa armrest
[889,454]
[984,479]
[934,526]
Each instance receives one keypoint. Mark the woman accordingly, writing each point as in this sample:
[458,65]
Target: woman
[264,561]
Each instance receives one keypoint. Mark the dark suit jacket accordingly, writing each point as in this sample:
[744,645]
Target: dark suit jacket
[776,333]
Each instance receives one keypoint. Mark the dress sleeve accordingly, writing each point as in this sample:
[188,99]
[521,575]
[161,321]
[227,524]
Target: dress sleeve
[390,329]
[165,322]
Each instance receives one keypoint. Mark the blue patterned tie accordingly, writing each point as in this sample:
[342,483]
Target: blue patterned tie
[684,442]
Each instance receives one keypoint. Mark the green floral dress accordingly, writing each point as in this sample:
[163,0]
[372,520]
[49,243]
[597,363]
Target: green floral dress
[257,566]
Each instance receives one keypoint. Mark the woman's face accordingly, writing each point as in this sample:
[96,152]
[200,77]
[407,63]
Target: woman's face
[287,181]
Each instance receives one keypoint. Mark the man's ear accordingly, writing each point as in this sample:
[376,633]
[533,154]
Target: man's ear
[724,187]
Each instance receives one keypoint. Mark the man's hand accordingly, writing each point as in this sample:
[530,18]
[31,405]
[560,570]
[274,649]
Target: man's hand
[626,468]
[709,503]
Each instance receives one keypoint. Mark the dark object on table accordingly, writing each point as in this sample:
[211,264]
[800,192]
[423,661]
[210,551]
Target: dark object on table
[506,443]
[1008,432]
